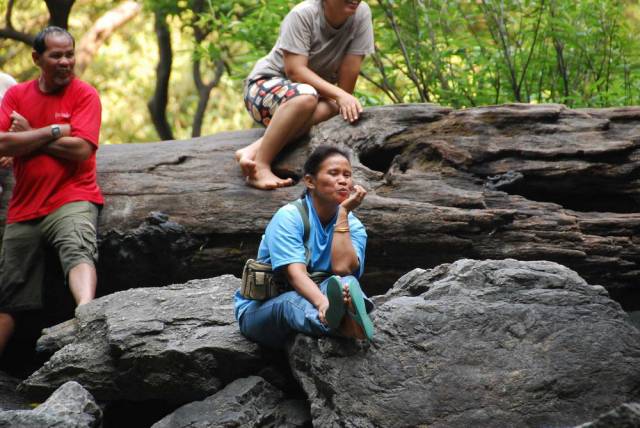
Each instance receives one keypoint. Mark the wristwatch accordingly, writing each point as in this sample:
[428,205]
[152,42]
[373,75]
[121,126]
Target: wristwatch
[56,132]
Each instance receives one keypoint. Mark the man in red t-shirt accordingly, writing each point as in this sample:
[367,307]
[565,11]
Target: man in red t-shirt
[49,129]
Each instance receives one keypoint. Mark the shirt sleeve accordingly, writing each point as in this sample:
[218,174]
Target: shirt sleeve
[295,33]
[9,104]
[87,116]
[359,241]
[284,238]
[362,43]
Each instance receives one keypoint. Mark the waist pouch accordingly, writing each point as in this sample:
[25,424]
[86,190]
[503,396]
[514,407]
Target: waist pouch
[260,282]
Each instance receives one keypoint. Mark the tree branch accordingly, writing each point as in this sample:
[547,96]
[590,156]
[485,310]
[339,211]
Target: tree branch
[102,30]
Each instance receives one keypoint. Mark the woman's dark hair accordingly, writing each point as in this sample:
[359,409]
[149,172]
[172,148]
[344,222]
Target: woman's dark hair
[40,41]
[312,165]
[315,159]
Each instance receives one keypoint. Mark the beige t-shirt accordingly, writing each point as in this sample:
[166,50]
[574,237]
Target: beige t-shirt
[305,31]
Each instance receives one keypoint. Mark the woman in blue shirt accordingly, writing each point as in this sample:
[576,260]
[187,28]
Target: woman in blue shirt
[337,241]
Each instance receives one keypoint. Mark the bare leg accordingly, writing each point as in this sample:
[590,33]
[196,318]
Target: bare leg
[82,282]
[349,327]
[278,134]
[7,325]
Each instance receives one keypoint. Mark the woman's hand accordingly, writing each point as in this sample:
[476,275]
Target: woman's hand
[355,199]
[322,306]
[349,106]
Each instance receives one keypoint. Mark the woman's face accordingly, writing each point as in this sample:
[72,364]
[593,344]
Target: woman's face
[333,182]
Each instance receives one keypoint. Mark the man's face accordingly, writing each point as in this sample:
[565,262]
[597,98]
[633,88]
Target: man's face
[56,62]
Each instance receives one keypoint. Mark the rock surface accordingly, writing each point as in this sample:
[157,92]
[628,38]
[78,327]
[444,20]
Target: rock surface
[531,182]
[70,406]
[247,402]
[624,416]
[10,399]
[477,343]
[177,343]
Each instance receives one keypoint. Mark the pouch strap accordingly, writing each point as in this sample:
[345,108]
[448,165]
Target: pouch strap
[301,205]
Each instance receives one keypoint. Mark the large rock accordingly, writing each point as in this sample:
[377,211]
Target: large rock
[248,402]
[70,406]
[531,182]
[624,416]
[478,343]
[177,343]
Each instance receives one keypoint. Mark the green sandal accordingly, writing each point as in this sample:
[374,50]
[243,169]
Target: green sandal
[336,302]
[360,315]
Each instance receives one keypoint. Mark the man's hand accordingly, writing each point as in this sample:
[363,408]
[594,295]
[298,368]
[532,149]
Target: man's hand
[350,107]
[18,123]
[6,162]
[355,199]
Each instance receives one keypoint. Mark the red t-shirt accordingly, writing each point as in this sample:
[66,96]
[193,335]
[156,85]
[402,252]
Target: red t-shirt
[44,183]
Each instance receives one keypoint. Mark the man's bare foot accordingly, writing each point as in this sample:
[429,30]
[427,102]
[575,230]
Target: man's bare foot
[349,327]
[264,179]
[245,158]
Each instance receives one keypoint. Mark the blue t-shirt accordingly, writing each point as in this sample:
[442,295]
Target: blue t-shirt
[282,243]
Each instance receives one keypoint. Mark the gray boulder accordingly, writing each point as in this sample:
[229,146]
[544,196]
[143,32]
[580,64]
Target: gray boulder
[477,343]
[624,416]
[70,406]
[248,402]
[177,343]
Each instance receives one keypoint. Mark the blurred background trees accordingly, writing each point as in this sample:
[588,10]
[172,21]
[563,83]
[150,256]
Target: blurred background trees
[173,68]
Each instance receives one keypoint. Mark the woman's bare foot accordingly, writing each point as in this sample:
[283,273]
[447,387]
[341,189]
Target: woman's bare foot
[349,327]
[264,179]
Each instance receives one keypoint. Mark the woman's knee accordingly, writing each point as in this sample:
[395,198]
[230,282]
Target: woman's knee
[306,103]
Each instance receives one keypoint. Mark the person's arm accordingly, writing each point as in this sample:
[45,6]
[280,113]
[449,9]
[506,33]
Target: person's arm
[300,281]
[65,147]
[25,142]
[71,148]
[344,259]
[296,68]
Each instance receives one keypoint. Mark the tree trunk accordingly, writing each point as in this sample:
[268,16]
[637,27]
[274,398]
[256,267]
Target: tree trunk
[59,11]
[530,182]
[158,103]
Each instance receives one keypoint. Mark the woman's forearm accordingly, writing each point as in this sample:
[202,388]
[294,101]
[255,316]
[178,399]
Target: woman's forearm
[344,259]
[300,281]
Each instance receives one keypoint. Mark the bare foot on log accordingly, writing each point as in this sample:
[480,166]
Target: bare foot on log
[264,179]
[246,159]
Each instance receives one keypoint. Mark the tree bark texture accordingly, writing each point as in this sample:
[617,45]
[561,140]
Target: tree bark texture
[158,103]
[530,182]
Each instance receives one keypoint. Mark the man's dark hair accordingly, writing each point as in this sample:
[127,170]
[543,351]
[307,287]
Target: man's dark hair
[312,165]
[40,41]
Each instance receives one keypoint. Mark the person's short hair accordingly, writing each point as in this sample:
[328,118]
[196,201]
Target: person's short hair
[322,152]
[40,41]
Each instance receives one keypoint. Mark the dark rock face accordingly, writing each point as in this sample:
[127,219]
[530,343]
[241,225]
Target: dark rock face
[177,343]
[478,343]
[248,402]
[624,416]
[10,399]
[70,406]
[531,182]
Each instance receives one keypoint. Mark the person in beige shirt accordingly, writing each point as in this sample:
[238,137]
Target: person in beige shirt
[308,77]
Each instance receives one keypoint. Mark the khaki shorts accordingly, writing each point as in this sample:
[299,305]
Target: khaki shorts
[70,231]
